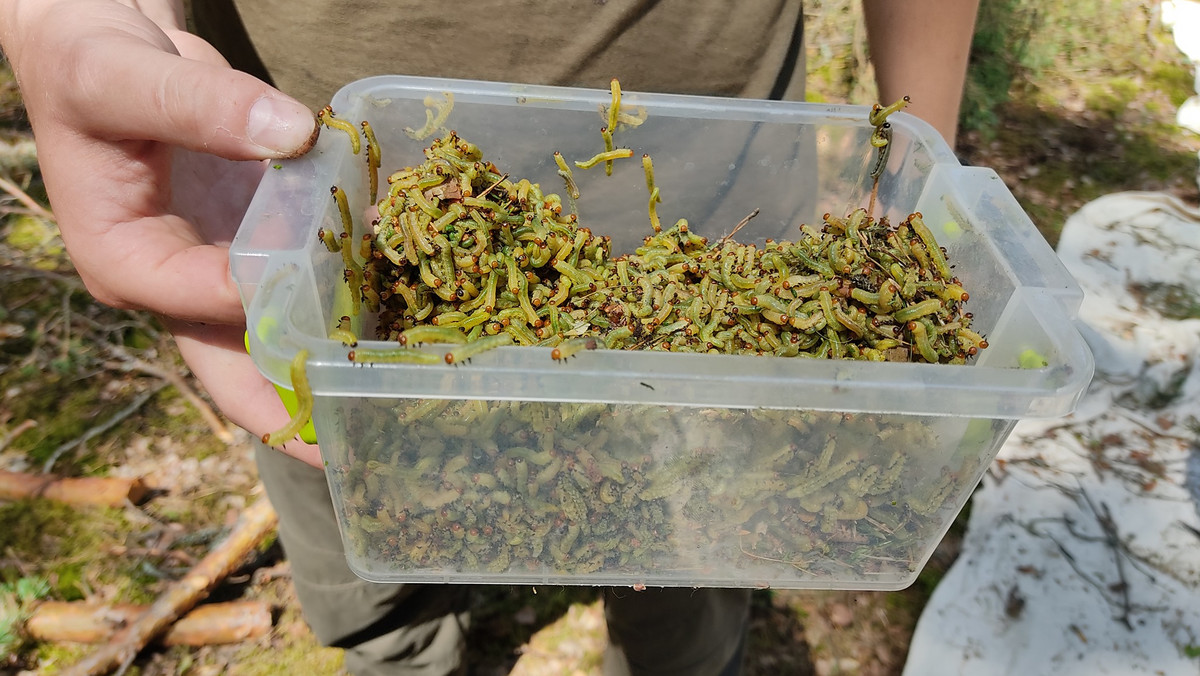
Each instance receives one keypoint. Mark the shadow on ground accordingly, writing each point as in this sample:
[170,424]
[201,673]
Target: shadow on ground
[1075,157]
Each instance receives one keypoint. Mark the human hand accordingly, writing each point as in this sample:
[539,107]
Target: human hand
[146,141]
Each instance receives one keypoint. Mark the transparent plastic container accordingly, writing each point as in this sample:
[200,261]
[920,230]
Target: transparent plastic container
[633,467]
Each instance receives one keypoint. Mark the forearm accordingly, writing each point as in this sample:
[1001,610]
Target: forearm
[919,48]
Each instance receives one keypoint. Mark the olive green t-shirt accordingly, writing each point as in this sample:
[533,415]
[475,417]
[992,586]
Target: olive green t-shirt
[310,48]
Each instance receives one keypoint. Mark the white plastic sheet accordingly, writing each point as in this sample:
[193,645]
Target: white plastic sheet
[1082,554]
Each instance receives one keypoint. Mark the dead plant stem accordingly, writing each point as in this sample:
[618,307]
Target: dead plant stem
[24,198]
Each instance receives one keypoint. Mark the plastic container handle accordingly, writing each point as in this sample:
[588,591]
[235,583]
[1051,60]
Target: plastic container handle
[308,433]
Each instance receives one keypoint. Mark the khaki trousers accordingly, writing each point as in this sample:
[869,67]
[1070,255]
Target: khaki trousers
[422,629]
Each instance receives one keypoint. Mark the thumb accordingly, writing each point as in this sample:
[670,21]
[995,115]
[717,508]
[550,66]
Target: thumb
[134,89]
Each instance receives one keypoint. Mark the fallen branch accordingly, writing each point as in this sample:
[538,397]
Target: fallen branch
[256,522]
[211,624]
[101,491]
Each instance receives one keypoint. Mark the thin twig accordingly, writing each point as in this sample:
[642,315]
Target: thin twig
[135,320]
[65,348]
[24,198]
[741,224]
[19,211]
[1152,429]
[1113,540]
[493,185]
[16,273]
[1099,586]
[1189,528]
[112,422]
[130,362]
[124,361]
[14,561]
[16,432]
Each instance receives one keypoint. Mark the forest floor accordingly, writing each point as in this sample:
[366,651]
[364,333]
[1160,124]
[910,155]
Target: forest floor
[82,388]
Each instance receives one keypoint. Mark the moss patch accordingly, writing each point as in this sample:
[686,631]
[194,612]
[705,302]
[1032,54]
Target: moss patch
[71,547]
[289,649]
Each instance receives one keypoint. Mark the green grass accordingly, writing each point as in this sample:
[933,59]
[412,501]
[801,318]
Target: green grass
[17,600]
[999,55]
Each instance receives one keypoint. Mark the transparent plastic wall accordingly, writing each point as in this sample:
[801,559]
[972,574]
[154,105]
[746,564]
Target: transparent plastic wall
[659,468]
